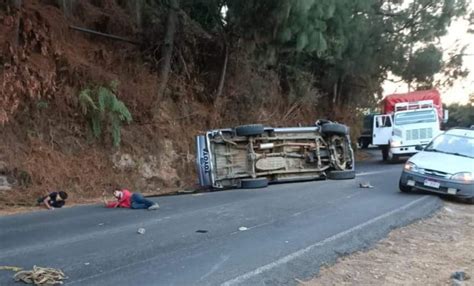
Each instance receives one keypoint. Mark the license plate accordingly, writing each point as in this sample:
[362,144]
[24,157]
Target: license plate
[411,183]
[432,184]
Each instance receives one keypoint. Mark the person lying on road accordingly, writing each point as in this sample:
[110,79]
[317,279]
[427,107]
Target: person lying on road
[127,199]
[53,200]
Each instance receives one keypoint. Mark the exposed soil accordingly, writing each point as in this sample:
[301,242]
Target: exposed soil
[45,140]
[424,253]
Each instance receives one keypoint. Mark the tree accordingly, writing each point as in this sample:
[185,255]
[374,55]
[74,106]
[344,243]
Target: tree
[349,46]
[460,115]
[167,49]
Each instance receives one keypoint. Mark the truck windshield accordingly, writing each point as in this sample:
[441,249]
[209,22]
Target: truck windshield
[421,116]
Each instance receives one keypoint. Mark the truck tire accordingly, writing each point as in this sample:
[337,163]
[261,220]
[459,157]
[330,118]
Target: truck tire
[365,144]
[334,129]
[341,175]
[392,158]
[249,130]
[403,188]
[254,183]
[384,153]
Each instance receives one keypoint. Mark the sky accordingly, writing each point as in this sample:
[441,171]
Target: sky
[459,92]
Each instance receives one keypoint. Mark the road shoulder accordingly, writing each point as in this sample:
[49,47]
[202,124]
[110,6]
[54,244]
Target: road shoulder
[424,253]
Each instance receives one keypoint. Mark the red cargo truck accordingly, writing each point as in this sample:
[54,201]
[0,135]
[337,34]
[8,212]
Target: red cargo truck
[408,120]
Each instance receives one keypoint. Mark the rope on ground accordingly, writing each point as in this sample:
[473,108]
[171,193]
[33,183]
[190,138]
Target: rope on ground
[11,268]
[41,276]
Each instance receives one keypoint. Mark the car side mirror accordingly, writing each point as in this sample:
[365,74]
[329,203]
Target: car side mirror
[418,147]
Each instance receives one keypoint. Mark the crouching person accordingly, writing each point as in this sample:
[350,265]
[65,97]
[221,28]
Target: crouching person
[127,199]
[53,200]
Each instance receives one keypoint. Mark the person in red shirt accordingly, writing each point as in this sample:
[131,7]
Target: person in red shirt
[127,199]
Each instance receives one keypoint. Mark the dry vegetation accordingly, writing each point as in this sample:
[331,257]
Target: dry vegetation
[45,143]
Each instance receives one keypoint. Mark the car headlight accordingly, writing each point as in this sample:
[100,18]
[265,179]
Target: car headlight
[409,166]
[396,143]
[463,176]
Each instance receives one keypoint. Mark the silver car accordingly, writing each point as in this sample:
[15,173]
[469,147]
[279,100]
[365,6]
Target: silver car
[251,156]
[445,166]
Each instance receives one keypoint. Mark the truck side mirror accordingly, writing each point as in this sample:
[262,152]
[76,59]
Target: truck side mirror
[446,116]
[418,147]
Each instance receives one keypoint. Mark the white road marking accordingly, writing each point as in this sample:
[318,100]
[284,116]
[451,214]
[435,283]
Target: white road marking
[242,278]
[215,267]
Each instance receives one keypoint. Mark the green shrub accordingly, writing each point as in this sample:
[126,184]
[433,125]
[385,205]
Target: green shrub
[102,107]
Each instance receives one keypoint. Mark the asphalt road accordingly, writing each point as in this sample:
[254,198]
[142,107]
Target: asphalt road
[291,229]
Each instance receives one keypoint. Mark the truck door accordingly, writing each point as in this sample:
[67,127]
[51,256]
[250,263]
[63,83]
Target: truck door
[382,129]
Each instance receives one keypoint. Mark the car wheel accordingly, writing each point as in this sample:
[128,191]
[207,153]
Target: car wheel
[341,175]
[254,183]
[403,188]
[334,129]
[249,130]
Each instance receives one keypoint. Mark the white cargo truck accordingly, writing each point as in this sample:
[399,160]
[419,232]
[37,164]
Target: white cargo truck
[408,120]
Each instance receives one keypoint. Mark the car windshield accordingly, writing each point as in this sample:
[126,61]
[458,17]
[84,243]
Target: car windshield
[421,116]
[452,144]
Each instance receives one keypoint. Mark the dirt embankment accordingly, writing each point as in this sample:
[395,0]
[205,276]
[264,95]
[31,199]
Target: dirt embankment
[45,141]
[425,253]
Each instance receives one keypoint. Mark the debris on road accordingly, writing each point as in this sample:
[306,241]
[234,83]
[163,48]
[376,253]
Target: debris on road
[41,276]
[242,228]
[187,191]
[201,231]
[460,276]
[366,185]
[141,230]
[448,209]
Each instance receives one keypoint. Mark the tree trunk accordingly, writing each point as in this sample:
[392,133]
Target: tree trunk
[334,94]
[17,4]
[67,6]
[138,12]
[167,51]
[223,74]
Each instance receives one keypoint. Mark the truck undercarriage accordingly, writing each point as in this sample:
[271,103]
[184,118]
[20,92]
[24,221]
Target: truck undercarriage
[251,156]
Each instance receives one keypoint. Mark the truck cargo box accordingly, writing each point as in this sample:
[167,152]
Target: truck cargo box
[388,103]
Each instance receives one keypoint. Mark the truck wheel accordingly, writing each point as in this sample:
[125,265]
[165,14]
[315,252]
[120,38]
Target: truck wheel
[249,130]
[341,175]
[385,153]
[365,144]
[334,129]
[392,158]
[254,183]
[403,188]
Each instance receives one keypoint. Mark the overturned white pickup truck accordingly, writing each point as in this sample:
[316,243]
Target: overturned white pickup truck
[251,156]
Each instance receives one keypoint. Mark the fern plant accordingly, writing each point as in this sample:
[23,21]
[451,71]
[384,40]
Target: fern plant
[102,107]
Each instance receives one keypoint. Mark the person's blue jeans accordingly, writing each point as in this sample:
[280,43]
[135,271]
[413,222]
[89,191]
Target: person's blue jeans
[140,202]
